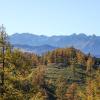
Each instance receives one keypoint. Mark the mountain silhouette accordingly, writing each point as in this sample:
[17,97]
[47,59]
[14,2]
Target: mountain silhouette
[41,43]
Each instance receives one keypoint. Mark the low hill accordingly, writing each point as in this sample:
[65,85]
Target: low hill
[36,49]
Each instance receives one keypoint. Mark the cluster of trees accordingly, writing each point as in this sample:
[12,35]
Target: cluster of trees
[23,74]
[68,56]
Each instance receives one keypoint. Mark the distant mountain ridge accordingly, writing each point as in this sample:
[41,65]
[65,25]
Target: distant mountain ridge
[81,41]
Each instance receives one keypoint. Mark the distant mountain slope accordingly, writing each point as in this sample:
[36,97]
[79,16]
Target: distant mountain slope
[83,42]
[36,49]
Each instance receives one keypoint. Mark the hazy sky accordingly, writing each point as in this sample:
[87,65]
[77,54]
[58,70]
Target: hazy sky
[51,17]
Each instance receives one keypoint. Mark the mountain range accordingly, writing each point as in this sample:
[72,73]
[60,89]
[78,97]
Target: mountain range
[41,44]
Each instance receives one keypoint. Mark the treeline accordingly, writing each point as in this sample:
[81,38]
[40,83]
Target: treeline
[66,55]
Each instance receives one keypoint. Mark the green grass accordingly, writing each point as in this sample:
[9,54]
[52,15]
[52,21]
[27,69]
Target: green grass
[53,72]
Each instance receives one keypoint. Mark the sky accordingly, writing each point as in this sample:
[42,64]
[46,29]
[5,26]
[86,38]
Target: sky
[51,17]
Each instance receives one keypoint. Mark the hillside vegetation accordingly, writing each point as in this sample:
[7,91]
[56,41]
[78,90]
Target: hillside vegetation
[62,74]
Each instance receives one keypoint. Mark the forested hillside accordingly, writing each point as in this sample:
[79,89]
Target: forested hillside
[61,74]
